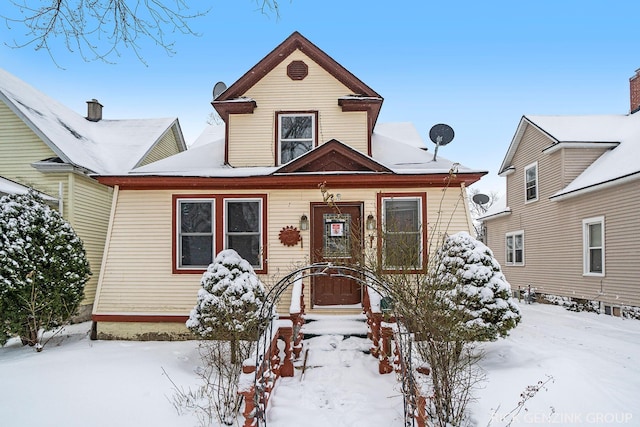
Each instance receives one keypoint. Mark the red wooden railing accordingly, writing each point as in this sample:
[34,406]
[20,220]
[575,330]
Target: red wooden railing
[383,332]
[385,347]
[265,375]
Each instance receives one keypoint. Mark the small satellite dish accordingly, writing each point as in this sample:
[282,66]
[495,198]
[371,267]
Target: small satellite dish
[218,89]
[480,198]
[440,134]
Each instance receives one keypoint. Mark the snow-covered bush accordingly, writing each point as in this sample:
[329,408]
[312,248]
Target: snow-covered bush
[228,313]
[474,289]
[43,268]
[230,300]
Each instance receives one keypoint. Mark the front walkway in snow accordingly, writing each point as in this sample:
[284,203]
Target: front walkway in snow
[340,385]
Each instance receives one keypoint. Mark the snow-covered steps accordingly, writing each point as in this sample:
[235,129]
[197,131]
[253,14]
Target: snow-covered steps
[342,325]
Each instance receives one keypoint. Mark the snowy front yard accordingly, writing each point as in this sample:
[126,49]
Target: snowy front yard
[594,362]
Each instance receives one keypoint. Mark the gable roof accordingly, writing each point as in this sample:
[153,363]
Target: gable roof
[103,147]
[619,133]
[361,98]
[333,156]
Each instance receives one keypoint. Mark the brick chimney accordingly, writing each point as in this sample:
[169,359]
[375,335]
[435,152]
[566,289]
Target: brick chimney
[634,89]
[94,110]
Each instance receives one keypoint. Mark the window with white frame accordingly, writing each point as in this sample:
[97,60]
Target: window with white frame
[515,248]
[243,229]
[531,182]
[195,228]
[593,234]
[296,135]
[402,245]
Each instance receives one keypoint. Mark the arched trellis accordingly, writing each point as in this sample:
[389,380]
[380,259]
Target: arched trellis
[365,278]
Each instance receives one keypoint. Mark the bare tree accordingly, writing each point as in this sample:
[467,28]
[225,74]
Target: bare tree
[99,29]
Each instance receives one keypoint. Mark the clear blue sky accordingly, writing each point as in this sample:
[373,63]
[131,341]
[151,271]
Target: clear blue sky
[477,66]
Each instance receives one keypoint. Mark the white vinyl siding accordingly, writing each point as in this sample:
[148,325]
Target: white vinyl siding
[593,235]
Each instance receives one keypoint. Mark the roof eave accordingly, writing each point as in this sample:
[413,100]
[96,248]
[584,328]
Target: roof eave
[595,187]
[18,112]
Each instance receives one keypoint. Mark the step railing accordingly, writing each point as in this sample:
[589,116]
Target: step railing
[391,340]
[260,373]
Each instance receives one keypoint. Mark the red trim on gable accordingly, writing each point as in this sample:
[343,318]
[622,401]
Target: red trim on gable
[280,53]
[142,318]
[293,181]
[341,156]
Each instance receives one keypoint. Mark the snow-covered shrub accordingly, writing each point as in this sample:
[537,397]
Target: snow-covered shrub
[230,300]
[227,312]
[43,268]
[473,288]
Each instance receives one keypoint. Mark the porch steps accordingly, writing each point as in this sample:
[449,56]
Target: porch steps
[344,325]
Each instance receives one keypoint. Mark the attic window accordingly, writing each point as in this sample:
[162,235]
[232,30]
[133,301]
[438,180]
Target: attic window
[296,135]
[297,70]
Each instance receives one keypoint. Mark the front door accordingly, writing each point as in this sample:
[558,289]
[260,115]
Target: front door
[336,237]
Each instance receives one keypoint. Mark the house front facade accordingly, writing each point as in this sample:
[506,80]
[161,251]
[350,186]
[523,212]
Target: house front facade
[570,225]
[301,172]
[48,148]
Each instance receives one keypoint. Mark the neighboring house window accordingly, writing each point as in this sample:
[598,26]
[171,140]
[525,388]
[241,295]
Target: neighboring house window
[243,229]
[195,226]
[515,248]
[593,231]
[402,245]
[296,135]
[531,182]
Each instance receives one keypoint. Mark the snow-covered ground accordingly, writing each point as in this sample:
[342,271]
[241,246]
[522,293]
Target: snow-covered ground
[594,363]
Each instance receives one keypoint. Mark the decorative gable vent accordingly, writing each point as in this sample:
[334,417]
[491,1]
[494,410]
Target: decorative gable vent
[297,70]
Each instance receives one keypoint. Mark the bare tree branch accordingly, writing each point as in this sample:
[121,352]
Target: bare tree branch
[99,29]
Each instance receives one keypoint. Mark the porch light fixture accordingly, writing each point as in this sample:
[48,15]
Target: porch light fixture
[371,222]
[304,222]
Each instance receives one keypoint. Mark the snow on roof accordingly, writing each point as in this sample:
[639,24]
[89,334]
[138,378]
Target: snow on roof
[616,163]
[397,146]
[498,208]
[103,147]
[11,187]
[210,134]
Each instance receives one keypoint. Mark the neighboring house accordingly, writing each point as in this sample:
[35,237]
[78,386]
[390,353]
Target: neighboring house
[49,148]
[570,225]
[295,121]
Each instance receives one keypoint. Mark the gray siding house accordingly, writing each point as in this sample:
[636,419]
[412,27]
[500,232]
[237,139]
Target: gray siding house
[570,224]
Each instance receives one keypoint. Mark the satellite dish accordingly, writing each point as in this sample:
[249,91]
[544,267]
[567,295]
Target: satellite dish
[480,198]
[440,134]
[218,89]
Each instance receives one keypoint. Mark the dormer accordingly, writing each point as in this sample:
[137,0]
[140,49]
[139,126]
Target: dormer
[292,101]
